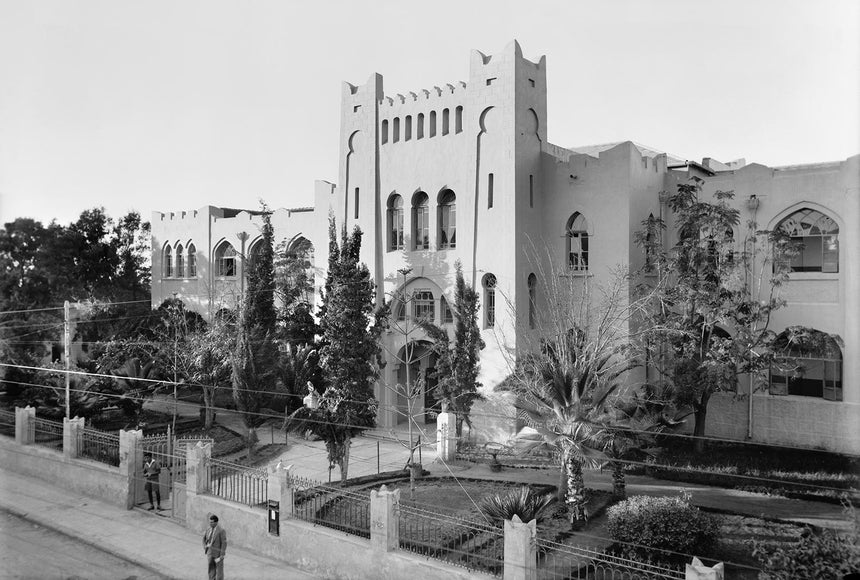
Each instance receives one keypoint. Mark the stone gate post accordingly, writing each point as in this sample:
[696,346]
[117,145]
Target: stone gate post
[129,459]
[25,428]
[520,550]
[71,428]
[384,524]
[446,436]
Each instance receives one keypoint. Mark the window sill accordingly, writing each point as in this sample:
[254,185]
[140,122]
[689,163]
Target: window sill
[799,398]
[576,274]
[808,276]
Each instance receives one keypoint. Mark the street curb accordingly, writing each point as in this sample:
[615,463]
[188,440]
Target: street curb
[50,525]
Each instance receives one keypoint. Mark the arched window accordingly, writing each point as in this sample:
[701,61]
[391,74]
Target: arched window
[419,129]
[808,364]
[192,261]
[225,260]
[458,119]
[385,131]
[432,123]
[168,262]
[489,284]
[298,268]
[532,283]
[423,306]
[421,221]
[817,239]
[395,131]
[576,239]
[407,128]
[395,223]
[447,220]
[445,311]
[180,262]
[445,118]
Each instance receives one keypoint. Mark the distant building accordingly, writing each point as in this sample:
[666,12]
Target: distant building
[464,172]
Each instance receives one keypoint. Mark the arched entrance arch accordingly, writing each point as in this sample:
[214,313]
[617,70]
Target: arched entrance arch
[415,368]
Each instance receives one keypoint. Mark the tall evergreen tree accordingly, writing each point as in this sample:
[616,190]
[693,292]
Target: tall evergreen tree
[254,355]
[349,353]
[458,364]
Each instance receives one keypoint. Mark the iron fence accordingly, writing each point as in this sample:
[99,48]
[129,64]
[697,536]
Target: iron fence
[47,433]
[563,561]
[238,483]
[7,423]
[459,541]
[330,506]
[99,445]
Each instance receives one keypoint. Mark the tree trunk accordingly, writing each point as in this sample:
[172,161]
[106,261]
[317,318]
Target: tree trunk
[207,409]
[252,440]
[562,481]
[344,463]
[575,499]
[701,413]
[619,486]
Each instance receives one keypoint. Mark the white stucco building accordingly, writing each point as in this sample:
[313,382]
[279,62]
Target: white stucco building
[465,172]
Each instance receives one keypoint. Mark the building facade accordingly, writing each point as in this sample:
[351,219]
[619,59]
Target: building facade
[464,173]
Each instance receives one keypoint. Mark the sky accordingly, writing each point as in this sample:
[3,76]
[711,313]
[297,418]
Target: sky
[169,105]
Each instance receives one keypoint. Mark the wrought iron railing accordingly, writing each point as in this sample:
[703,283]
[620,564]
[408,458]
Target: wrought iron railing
[564,561]
[238,483]
[7,422]
[459,541]
[99,445]
[331,506]
[47,433]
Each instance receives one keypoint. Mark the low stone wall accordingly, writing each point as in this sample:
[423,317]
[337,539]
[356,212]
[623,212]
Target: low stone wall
[77,475]
[320,551]
[786,420]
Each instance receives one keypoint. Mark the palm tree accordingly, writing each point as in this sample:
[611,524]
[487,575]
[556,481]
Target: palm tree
[562,393]
[134,380]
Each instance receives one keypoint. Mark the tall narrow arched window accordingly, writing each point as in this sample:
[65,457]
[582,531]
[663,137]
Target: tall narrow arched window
[458,119]
[445,120]
[395,223]
[447,220]
[419,127]
[432,129]
[407,128]
[225,260]
[421,221]
[808,363]
[576,241]
[384,135]
[297,269]
[192,261]
[395,130]
[816,238]
[489,284]
[180,262]
[168,262]
[532,283]
[447,315]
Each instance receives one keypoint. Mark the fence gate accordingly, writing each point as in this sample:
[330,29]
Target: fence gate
[170,452]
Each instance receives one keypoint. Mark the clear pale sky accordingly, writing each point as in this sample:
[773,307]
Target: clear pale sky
[175,104]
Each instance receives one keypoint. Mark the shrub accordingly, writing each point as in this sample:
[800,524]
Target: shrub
[525,503]
[644,524]
[817,556]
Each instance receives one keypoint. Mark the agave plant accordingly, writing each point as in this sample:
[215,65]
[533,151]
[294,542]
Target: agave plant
[524,502]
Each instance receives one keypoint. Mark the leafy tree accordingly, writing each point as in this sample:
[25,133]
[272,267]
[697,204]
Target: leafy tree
[349,354]
[254,354]
[298,366]
[458,364]
[133,379]
[710,308]
[207,358]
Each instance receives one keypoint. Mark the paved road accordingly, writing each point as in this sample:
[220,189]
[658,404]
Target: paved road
[28,550]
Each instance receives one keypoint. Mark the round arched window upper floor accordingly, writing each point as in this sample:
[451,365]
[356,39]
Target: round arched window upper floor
[447,220]
[808,363]
[297,269]
[489,284]
[815,241]
[167,261]
[421,221]
[395,222]
[576,243]
[225,260]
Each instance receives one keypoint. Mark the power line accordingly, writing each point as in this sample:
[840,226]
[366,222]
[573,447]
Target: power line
[91,304]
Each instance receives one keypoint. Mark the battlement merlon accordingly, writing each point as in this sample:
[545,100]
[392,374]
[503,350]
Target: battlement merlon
[511,53]
[447,94]
[369,92]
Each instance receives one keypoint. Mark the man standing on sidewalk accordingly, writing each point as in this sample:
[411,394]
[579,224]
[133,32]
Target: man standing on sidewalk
[215,548]
[152,471]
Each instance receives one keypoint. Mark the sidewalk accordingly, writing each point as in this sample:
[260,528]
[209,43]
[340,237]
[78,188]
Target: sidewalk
[150,541]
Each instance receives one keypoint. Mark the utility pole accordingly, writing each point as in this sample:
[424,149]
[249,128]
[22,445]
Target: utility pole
[174,317]
[67,348]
